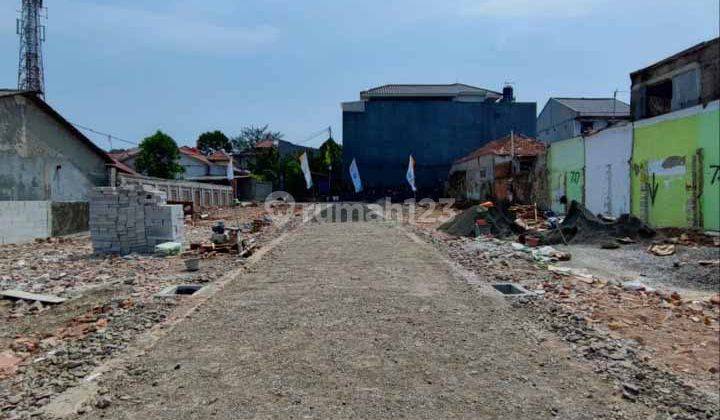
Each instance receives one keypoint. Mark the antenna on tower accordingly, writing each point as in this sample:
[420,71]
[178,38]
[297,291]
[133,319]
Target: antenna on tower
[32,34]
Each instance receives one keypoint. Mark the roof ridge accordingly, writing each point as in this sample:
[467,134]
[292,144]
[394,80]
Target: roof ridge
[604,98]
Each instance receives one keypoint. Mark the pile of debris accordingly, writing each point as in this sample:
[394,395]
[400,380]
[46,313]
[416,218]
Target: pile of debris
[228,240]
[580,225]
[481,220]
[529,217]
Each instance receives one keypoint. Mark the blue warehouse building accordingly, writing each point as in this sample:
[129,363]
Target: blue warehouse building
[437,124]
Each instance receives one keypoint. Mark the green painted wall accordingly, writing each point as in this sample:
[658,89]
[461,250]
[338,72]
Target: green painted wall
[566,172]
[710,143]
[665,170]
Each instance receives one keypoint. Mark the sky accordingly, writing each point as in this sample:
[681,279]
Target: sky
[131,67]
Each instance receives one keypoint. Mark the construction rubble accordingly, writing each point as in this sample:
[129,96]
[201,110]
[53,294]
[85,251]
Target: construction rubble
[100,303]
[658,342]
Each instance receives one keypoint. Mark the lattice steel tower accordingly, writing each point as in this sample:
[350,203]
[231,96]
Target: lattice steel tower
[32,35]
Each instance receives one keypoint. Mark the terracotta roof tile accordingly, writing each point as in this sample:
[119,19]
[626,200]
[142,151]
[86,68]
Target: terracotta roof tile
[523,145]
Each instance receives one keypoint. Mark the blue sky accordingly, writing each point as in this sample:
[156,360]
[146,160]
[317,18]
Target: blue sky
[131,67]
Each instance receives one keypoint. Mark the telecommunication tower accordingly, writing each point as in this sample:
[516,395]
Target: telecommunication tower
[32,35]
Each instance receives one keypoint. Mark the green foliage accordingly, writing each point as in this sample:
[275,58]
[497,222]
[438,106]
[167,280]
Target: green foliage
[329,155]
[251,135]
[159,157]
[294,179]
[212,141]
[284,173]
[266,165]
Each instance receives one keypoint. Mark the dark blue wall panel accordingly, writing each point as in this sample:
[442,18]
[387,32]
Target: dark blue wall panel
[435,132]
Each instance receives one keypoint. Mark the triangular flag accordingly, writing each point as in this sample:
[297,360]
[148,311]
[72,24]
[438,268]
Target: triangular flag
[355,175]
[411,174]
[305,166]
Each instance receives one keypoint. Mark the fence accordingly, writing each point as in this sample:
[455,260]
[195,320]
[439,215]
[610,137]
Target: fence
[202,195]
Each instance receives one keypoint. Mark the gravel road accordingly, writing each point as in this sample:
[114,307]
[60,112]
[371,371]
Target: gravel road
[358,320]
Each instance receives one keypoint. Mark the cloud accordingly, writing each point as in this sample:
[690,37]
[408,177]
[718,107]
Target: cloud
[551,9]
[164,30]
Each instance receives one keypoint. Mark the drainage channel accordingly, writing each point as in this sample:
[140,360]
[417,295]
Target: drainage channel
[512,290]
[180,290]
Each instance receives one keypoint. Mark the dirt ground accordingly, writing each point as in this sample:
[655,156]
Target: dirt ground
[664,341]
[46,349]
[358,320]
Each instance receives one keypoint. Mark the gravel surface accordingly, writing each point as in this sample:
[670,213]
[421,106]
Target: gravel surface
[357,320]
[680,271]
[653,345]
[48,349]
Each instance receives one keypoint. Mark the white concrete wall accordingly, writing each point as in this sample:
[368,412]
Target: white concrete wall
[607,171]
[23,221]
[479,177]
[217,169]
[479,174]
[193,167]
[202,194]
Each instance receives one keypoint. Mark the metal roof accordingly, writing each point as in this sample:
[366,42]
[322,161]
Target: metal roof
[594,107]
[411,90]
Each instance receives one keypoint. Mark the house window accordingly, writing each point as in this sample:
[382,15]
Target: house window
[686,88]
[483,173]
[658,98]
[526,165]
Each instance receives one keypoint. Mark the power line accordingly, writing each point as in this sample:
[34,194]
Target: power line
[316,135]
[110,137]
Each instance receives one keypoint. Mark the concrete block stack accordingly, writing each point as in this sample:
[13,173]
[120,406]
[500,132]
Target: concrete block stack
[164,223]
[132,219]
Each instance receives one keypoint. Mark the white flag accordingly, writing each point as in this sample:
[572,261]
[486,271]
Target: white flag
[355,175]
[230,171]
[411,173]
[305,166]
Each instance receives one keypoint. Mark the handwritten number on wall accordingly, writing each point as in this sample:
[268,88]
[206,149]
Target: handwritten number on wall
[716,174]
[575,177]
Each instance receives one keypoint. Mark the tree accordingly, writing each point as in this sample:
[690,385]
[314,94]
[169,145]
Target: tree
[159,157]
[266,165]
[328,156]
[251,135]
[212,141]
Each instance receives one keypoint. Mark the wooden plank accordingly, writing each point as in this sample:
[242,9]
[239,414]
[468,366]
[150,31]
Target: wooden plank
[19,294]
